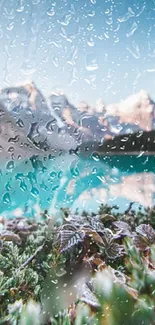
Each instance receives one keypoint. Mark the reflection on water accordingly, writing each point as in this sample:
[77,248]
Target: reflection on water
[78,183]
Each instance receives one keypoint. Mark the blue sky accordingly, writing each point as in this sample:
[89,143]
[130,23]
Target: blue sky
[88,48]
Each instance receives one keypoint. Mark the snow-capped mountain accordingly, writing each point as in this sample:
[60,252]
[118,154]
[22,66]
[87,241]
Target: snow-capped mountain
[37,125]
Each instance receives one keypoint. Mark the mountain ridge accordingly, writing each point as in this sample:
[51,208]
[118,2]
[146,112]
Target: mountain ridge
[54,124]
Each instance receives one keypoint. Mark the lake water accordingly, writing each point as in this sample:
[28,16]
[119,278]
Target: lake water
[75,182]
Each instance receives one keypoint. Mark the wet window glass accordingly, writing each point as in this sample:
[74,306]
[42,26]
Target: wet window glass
[77,162]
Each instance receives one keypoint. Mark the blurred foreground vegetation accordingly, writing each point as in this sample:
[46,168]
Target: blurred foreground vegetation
[39,258]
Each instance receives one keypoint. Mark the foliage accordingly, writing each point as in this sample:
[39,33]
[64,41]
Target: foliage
[119,255]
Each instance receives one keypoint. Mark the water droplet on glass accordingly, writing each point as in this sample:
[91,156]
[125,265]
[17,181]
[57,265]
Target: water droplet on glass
[90,41]
[55,281]
[95,156]
[135,51]
[34,191]
[10,26]
[8,187]
[53,175]
[128,15]
[55,61]
[51,12]
[15,139]
[65,20]
[132,29]
[60,174]
[91,14]
[93,2]
[6,198]
[141,11]
[90,27]
[10,166]
[61,272]
[109,21]
[20,123]
[20,8]
[23,186]
[11,149]
[91,64]
[106,35]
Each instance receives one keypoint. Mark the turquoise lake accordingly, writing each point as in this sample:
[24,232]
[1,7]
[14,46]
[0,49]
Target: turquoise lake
[75,182]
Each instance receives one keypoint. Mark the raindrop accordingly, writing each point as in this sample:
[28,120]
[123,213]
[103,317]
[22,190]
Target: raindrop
[134,50]
[91,14]
[141,154]
[20,8]
[74,171]
[109,21]
[15,139]
[53,175]
[95,156]
[34,191]
[141,11]
[54,188]
[20,123]
[55,61]
[10,26]
[60,174]
[6,198]
[90,41]
[11,149]
[65,20]
[127,16]
[19,176]
[61,272]
[23,186]
[107,11]
[106,35]
[8,187]
[51,12]
[44,186]
[91,64]
[10,166]
[93,2]
[132,30]
[90,27]
[55,281]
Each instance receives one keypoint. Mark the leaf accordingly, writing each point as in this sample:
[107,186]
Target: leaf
[107,217]
[95,237]
[141,242]
[97,261]
[123,226]
[146,231]
[108,236]
[70,238]
[89,297]
[114,250]
[132,292]
[10,236]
